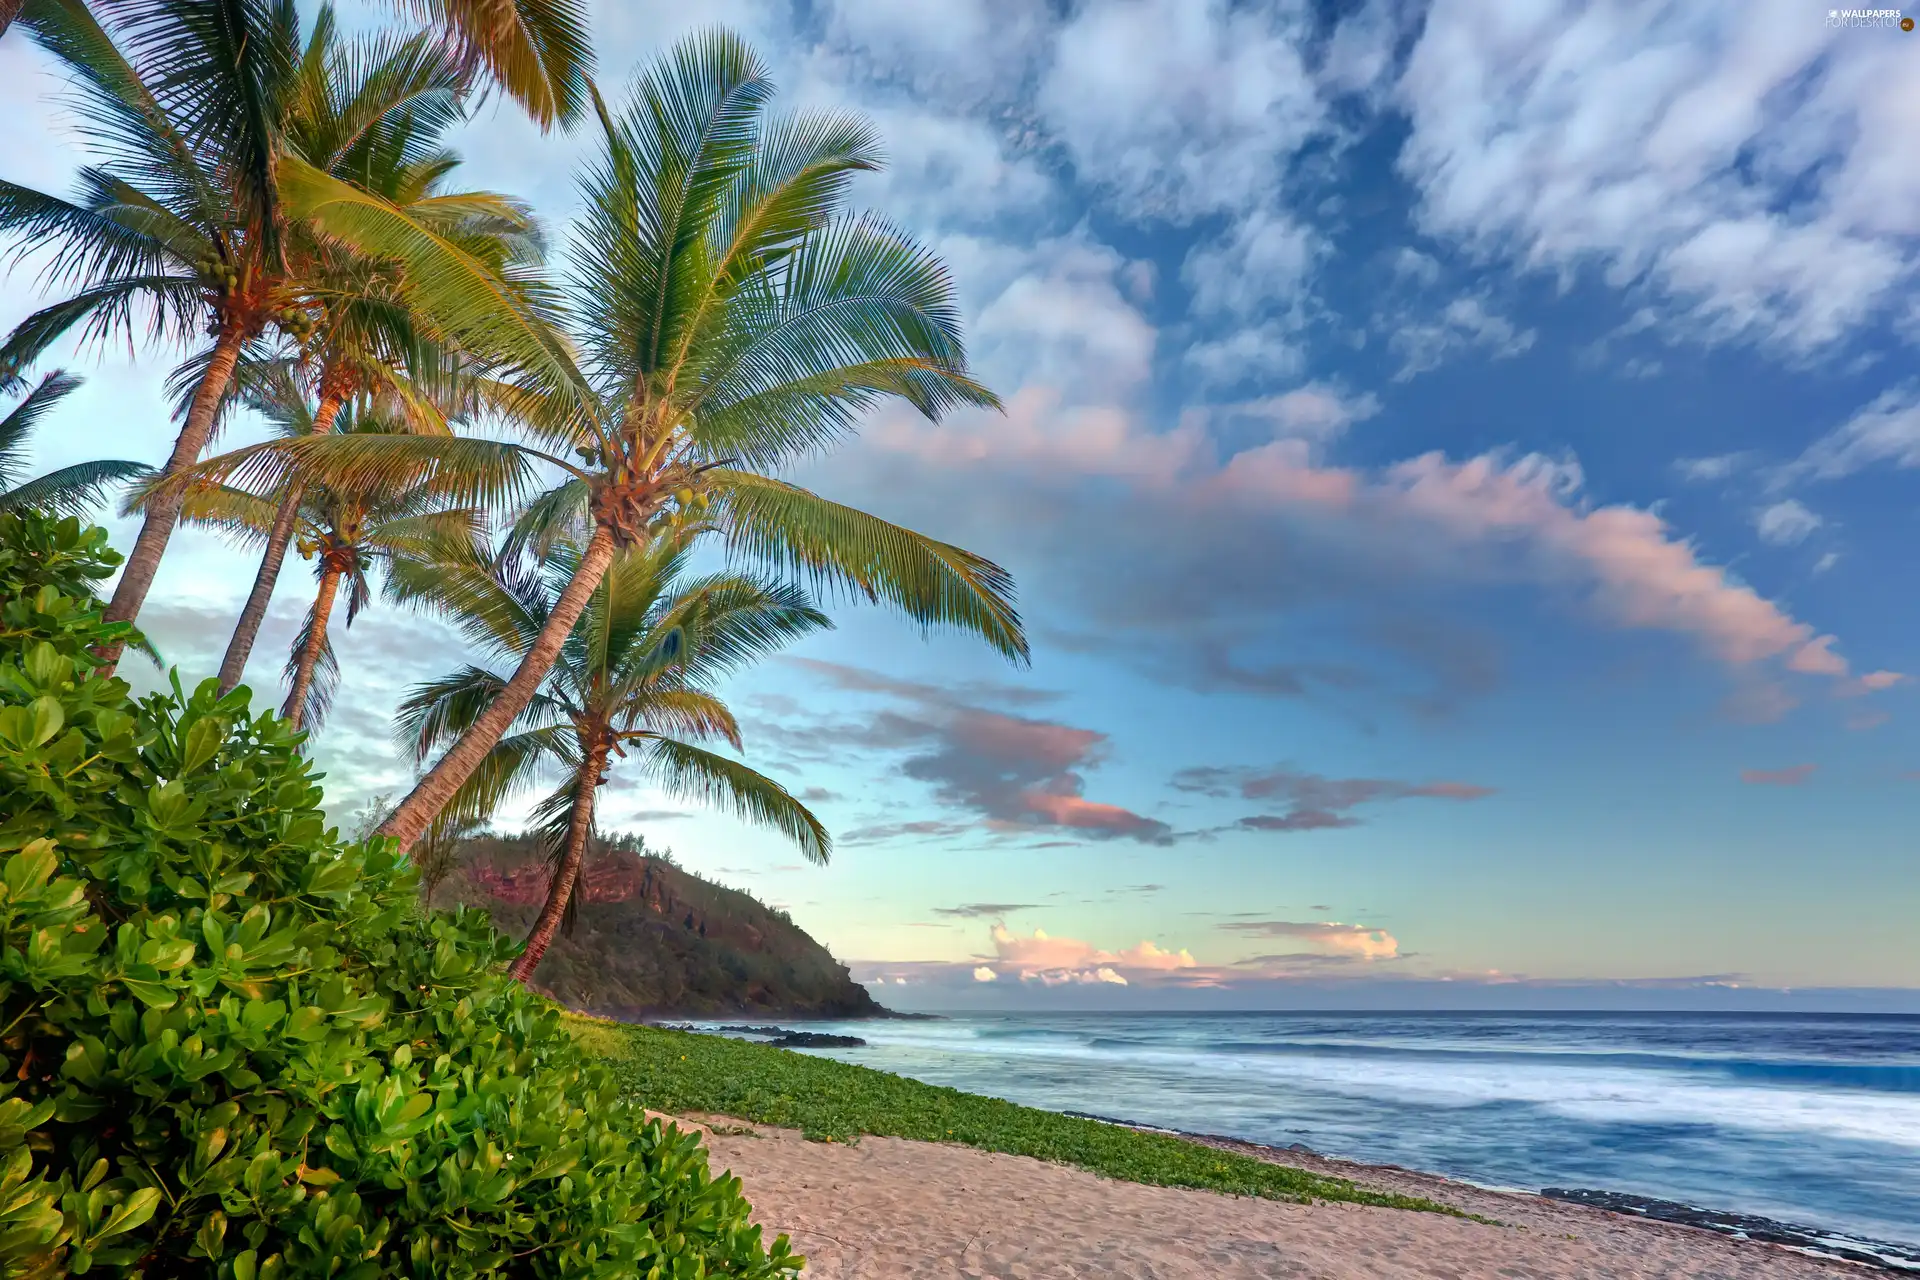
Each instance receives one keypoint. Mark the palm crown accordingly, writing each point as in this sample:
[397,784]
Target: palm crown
[349,535]
[635,678]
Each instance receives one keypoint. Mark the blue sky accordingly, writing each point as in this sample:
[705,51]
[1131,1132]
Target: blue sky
[1458,467]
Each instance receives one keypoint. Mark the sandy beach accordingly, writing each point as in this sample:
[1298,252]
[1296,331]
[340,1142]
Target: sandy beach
[892,1208]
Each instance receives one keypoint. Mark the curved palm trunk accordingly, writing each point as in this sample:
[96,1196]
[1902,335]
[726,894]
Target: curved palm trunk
[164,511]
[430,795]
[247,630]
[310,651]
[567,874]
[9,10]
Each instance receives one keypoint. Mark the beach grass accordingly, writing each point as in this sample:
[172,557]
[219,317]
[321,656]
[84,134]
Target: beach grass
[689,1074]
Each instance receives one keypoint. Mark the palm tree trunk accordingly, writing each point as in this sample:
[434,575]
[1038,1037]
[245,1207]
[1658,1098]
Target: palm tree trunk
[431,793]
[567,874]
[310,652]
[164,511]
[9,10]
[247,630]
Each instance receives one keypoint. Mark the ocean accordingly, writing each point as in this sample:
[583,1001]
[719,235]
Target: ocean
[1804,1119]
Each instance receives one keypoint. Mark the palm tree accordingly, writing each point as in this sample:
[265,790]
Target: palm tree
[373,112]
[190,102]
[635,675]
[346,533]
[68,491]
[729,317]
[184,97]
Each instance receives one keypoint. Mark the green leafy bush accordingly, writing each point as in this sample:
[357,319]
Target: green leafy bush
[231,1046]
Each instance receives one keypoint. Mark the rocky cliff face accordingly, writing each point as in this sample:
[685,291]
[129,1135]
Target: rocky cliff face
[653,940]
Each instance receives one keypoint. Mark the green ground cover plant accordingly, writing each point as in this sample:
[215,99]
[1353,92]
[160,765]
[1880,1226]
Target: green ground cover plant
[233,1046]
[686,1073]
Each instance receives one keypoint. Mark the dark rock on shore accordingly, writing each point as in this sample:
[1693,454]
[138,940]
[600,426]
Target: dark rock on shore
[817,1040]
[735,1029]
[1873,1253]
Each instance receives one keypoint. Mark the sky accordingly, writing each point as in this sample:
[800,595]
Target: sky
[1457,461]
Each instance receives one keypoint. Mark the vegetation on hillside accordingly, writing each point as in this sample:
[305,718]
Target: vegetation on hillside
[654,940]
[692,1074]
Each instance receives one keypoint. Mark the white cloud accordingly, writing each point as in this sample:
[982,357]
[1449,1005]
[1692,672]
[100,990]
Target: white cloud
[1706,470]
[1785,523]
[1316,411]
[983,974]
[1252,353]
[1466,324]
[1264,258]
[1749,169]
[1064,320]
[1181,108]
[1420,268]
[1887,430]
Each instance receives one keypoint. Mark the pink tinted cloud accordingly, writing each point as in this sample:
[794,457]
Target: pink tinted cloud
[1791,776]
[1086,815]
[1492,514]
[1872,682]
[1011,772]
[1327,937]
[1644,577]
[1050,961]
[1452,791]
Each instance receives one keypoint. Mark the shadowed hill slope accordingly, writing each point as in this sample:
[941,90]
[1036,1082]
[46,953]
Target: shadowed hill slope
[653,940]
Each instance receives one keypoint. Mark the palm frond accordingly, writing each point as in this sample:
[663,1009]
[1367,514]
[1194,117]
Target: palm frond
[644,260]
[20,420]
[460,471]
[222,70]
[730,620]
[797,178]
[680,714]
[695,774]
[515,763]
[502,323]
[89,244]
[430,535]
[831,547]
[539,51]
[435,712]
[120,110]
[175,303]
[859,310]
[377,101]
[557,516]
[74,490]
[490,600]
